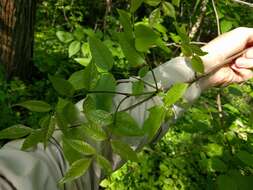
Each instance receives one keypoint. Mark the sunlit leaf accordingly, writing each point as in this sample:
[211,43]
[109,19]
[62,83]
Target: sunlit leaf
[74,48]
[81,146]
[154,16]
[175,93]
[197,64]
[168,9]
[64,37]
[77,169]
[152,2]
[83,61]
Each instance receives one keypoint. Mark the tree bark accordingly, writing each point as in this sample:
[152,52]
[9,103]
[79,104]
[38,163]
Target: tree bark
[17,20]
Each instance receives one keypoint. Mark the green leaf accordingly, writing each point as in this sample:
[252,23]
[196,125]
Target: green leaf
[176,2]
[71,114]
[145,37]
[135,4]
[60,119]
[99,117]
[83,61]
[226,25]
[218,165]
[182,33]
[175,93]
[86,49]
[49,130]
[124,150]
[154,121]
[33,139]
[69,152]
[213,149]
[134,58]
[125,125]
[104,100]
[125,21]
[195,49]
[143,71]
[153,3]
[90,77]
[101,54]
[81,146]
[245,157]
[154,17]
[94,132]
[78,80]
[64,37]
[186,50]
[197,64]
[62,86]
[35,105]
[137,87]
[79,33]
[104,164]
[168,9]
[15,132]
[89,104]
[74,48]
[77,169]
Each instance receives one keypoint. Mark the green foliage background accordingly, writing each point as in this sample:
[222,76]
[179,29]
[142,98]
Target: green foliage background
[202,150]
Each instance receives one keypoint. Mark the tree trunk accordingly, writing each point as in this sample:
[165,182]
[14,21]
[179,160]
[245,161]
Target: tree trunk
[17,20]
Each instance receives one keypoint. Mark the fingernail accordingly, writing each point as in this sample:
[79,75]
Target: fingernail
[249,53]
[239,62]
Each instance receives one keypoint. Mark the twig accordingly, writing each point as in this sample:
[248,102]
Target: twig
[196,26]
[120,93]
[243,3]
[139,103]
[217,17]
[118,107]
[179,45]
[145,82]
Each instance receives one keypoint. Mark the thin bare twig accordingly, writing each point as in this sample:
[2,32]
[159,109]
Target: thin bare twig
[217,17]
[243,3]
[139,103]
[120,93]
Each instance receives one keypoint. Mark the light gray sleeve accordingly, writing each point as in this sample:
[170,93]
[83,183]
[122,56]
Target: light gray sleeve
[42,169]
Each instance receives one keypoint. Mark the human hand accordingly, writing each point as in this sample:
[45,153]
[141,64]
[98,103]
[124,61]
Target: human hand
[223,47]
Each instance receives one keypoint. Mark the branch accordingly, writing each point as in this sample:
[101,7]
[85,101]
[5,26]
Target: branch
[139,103]
[120,93]
[196,26]
[217,17]
[243,3]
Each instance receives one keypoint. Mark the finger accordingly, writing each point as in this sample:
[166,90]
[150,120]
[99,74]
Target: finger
[243,75]
[243,62]
[249,53]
